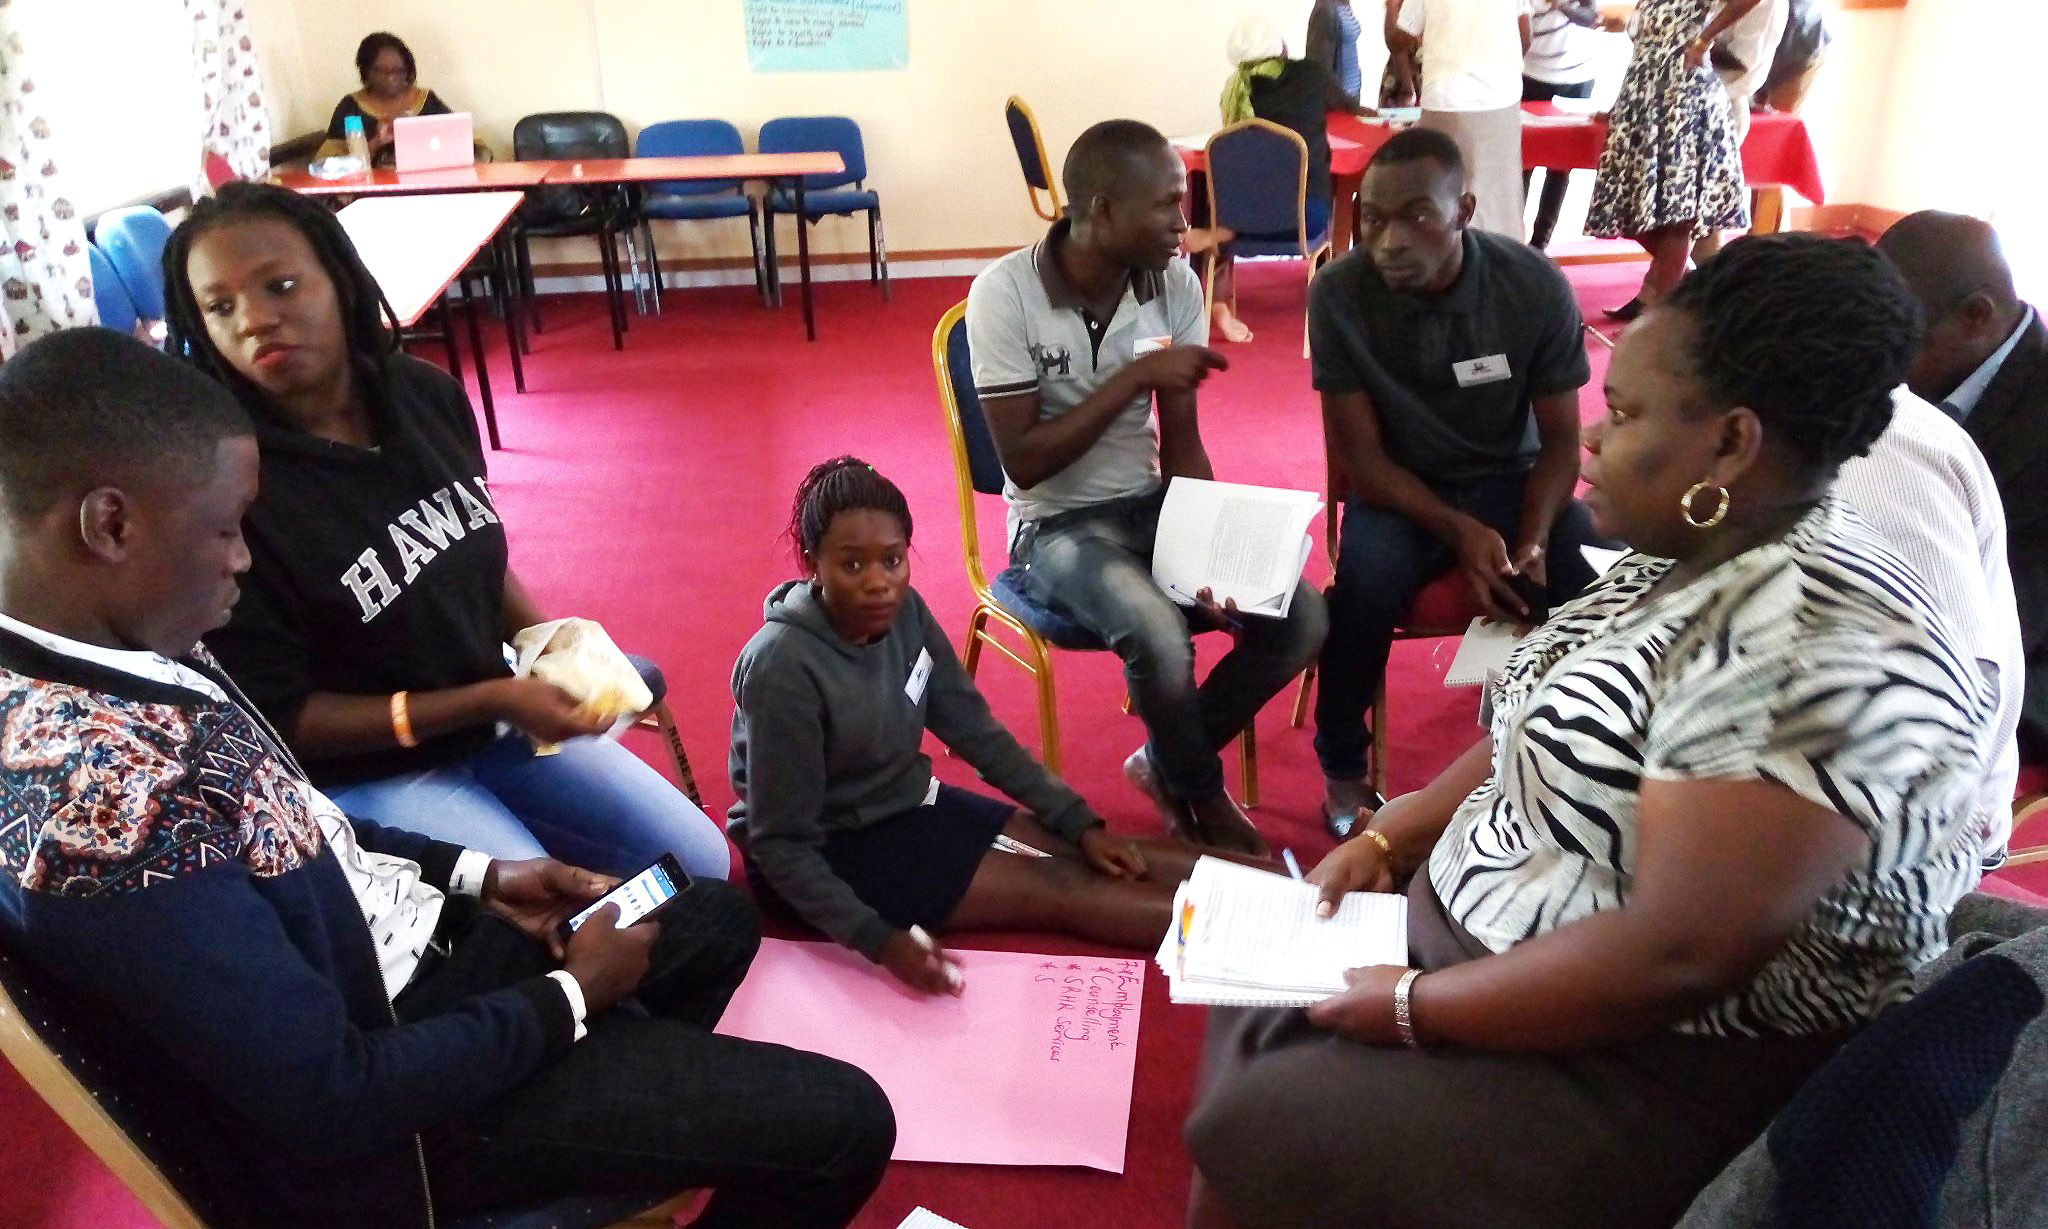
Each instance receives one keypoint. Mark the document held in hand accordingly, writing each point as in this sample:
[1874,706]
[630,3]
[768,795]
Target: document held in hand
[1244,937]
[1249,543]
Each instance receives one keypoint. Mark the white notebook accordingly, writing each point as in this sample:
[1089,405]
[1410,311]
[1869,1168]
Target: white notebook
[1247,937]
[925,1218]
[1247,543]
[1483,650]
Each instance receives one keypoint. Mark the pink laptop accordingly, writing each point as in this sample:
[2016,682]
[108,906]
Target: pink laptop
[431,142]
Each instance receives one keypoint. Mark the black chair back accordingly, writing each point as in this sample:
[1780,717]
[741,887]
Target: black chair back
[565,136]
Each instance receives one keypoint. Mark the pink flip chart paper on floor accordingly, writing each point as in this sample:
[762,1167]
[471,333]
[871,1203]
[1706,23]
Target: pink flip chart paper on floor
[1031,1066]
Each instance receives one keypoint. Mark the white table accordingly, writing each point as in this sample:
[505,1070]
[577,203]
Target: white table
[417,246]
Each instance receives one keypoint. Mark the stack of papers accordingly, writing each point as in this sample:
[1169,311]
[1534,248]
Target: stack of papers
[1244,937]
[1246,544]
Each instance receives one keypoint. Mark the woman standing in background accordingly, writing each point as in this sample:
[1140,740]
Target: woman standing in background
[1672,171]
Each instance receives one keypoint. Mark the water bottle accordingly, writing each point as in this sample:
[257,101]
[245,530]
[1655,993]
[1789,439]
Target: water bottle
[358,142]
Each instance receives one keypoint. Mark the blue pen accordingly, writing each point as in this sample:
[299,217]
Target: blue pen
[1228,618]
[1293,867]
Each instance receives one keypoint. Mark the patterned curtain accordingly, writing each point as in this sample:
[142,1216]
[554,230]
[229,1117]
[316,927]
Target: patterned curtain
[45,274]
[237,129]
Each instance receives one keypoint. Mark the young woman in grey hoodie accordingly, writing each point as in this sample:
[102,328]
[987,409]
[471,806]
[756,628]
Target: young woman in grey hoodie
[839,814]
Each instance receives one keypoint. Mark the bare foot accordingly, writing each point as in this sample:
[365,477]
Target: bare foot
[1228,326]
[1202,239]
[1224,826]
[1138,771]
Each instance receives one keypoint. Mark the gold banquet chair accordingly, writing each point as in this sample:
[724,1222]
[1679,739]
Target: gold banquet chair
[1038,177]
[1001,601]
[2026,810]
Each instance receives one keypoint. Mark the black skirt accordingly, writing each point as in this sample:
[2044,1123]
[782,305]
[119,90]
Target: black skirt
[915,867]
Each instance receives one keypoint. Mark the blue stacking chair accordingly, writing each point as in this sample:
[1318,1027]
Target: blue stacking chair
[1258,186]
[1001,600]
[696,200]
[133,239]
[109,294]
[829,194]
[86,1094]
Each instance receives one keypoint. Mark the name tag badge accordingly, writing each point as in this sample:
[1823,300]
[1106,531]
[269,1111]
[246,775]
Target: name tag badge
[920,674]
[1150,345]
[1476,371]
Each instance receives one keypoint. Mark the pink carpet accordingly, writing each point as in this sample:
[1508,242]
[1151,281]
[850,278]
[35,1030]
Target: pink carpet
[649,489]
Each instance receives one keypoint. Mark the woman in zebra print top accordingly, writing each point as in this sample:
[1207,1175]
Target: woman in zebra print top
[1721,813]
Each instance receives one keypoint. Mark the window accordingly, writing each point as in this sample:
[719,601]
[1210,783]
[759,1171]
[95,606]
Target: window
[117,77]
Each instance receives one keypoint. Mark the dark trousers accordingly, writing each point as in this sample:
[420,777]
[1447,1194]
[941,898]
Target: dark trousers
[1383,561]
[1557,179]
[652,1102]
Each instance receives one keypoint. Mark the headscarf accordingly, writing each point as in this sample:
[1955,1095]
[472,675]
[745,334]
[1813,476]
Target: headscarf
[1255,50]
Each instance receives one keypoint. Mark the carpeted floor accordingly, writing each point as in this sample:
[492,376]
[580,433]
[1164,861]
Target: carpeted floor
[649,490]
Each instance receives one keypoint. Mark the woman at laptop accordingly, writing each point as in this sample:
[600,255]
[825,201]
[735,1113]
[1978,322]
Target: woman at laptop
[372,621]
[390,92]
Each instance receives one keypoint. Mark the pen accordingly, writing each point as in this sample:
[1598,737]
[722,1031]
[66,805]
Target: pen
[1293,867]
[1229,618]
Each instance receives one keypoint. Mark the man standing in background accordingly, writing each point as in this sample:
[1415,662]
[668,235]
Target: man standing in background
[1471,91]
[1557,64]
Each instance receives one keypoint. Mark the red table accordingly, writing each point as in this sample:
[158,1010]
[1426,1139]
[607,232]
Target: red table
[488,176]
[768,168]
[383,181]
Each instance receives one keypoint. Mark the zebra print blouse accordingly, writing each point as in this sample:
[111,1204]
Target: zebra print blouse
[1817,662]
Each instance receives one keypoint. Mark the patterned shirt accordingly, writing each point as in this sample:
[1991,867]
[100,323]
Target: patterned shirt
[1817,662]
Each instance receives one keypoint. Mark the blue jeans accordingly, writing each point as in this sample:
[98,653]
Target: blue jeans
[1383,560]
[592,804]
[1095,566]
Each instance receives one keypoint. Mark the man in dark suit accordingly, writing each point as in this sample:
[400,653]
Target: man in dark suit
[1985,361]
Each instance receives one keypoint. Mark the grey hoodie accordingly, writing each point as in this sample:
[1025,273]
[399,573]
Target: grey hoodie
[826,736]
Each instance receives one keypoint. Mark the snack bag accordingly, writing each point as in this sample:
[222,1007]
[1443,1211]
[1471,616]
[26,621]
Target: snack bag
[578,656]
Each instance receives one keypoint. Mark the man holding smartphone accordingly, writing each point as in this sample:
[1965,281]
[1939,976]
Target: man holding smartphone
[315,1021]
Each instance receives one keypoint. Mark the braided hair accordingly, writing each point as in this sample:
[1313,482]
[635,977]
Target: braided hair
[843,484]
[367,320]
[1811,333]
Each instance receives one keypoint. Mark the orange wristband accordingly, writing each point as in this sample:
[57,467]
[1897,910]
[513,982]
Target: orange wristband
[401,720]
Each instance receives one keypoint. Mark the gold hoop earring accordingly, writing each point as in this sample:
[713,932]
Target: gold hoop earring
[1720,505]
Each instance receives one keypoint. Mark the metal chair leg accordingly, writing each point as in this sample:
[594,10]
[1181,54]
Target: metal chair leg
[665,721]
[760,258]
[1048,708]
[633,263]
[653,260]
[878,248]
[976,623]
[608,260]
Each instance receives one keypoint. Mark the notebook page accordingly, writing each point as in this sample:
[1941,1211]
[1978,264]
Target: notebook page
[1261,929]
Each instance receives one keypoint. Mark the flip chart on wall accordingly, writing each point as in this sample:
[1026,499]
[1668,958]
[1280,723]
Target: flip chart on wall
[1032,1065]
[827,36]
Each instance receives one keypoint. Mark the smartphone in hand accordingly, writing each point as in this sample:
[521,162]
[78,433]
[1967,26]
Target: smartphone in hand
[639,897]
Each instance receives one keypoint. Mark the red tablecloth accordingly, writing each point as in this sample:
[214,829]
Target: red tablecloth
[1778,151]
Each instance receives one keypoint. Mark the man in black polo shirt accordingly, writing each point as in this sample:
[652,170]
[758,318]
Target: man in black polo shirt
[1449,362]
